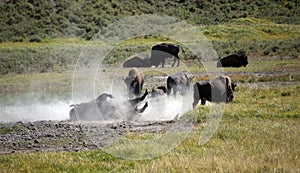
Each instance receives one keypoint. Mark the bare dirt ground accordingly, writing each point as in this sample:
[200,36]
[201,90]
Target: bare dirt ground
[45,136]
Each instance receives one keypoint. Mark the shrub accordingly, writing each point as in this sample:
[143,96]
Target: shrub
[35,39]
[16,39]
[285,93]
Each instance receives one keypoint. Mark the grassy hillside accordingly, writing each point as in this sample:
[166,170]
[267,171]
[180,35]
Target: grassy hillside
[35,20]
[259,38]
[48,36]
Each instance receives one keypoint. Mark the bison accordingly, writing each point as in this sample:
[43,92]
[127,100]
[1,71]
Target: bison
[137,62]
[160,52]
[234,60]
[106,107]
[134,82]
[217,90]
[178,82]
[158,91]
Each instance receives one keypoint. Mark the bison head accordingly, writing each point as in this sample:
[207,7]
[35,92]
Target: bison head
[244,59]
[230,87]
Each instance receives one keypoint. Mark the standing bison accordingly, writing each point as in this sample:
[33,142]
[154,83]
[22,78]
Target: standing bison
[178,82]
[217,90]
[160,52]
[234,60]
[134,82]
[106,107]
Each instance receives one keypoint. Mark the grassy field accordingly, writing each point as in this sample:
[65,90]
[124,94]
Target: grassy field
[259,39]
[259,132]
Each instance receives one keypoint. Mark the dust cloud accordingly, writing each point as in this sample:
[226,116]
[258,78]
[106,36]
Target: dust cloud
[35,111]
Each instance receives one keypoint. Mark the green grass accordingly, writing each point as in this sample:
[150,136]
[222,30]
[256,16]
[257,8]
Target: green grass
[259,132]
[262,41]
[247,29]
[8,129]
[43,87]
[26,20]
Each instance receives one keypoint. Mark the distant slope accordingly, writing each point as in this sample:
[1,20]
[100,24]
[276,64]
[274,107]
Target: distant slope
[31,19]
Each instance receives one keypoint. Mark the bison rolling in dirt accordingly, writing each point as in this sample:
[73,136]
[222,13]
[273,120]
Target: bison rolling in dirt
[106,107]
[158,91]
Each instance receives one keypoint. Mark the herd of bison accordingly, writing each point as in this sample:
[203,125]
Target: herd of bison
[104,107]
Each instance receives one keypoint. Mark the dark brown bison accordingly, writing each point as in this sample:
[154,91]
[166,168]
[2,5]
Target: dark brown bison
[234,60]
[158,91]
[178,82]
[106,107]
[160,52]
[137,62]
[217,90]
[134,82]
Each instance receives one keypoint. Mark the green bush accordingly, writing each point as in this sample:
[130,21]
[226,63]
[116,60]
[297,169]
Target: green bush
[19,17]
[16,39]
[35,39]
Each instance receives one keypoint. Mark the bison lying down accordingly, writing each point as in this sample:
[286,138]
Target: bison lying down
[234,60]
[105,107]
[217,90]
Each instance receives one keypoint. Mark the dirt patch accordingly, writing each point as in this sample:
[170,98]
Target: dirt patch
[44,136]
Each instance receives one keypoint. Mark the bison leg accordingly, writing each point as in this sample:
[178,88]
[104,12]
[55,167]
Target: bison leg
[170,85]
[169,89]
[203,101]
[174,61]
[163,64]
[195,103]
[142,109]
[176,58]
[196,96]
[175,90]
[135,101]
[73,115]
